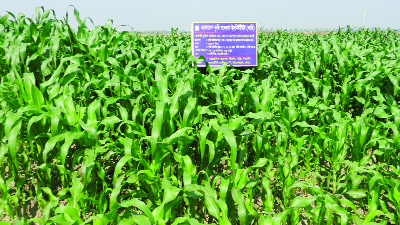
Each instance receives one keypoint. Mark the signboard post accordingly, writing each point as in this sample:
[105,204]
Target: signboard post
[221,43]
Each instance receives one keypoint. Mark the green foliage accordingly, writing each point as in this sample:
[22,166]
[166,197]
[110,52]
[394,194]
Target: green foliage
[106,127]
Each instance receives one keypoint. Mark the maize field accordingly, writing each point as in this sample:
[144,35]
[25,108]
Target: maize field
[105,127]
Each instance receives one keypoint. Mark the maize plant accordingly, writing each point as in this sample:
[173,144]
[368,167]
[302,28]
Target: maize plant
[105,127]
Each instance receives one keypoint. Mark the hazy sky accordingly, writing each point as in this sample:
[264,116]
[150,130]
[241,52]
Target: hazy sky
[150,15]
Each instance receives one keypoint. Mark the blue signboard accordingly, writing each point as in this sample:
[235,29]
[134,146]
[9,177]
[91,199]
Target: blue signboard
[221,43]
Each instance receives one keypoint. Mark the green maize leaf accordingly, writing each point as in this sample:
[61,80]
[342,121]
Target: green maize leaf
[339,210]
[224,210]
[208,190]
[90,129]
[86,168]
[139,219]
[224,187]
[260,163]
[203,138]
[181,220]
[380,112]
[212,206]
[4,18]
[69,138]
[280,217]
[357,220]
[211,151]
[238,198]
[12,119]
[119,166]
[302,202]
[157,124]
[230,138]
[269,202]
[170,192]
[55,119]
[179,136]
[55,76]
[348,203]
[51,143]
[189,111]
[12,140]
[371,215]
[356,193]
[115,192]
[69,212]
[127,142]
[159,214]
[76,191]
[385,210]
[193,190]
[62,219]
[140,205]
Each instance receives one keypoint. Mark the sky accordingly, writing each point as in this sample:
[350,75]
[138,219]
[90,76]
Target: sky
[157,15]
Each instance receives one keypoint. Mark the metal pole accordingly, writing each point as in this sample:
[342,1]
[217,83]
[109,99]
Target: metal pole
[365,6]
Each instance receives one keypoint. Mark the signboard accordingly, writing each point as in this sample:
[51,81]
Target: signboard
[221,43]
